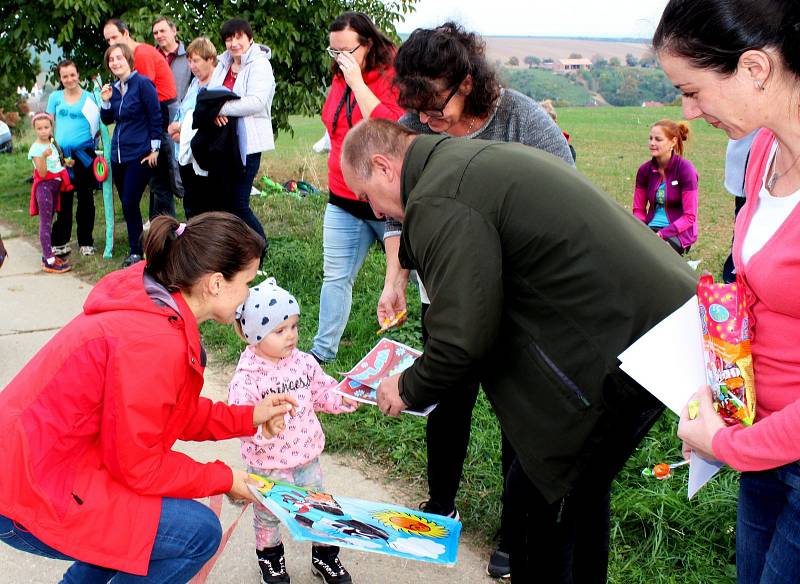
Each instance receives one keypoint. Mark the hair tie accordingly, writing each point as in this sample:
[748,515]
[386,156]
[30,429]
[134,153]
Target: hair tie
[181,228]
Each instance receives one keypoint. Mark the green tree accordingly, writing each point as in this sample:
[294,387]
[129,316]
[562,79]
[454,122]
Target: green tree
[575,56]
[599,61]
[295,30]
[532,61]
[614,62]
[631,60]
[648,60]
[513,61]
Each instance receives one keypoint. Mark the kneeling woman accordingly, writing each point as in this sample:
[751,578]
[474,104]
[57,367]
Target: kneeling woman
[90,422]
[666,187]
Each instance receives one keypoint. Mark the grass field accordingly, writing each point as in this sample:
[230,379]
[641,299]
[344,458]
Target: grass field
[657,536]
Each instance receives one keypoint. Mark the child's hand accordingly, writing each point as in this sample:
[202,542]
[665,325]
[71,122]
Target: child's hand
[270,411]
[47,152]
[273,427]
[69,162]
[354,405]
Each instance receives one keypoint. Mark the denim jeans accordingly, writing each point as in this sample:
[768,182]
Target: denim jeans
[346,241]
[768,526]
[188,535]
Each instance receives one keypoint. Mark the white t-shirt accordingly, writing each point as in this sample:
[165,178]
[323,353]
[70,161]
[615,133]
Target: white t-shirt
[768,217]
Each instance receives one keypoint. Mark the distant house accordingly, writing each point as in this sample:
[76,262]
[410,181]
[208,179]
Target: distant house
[571,65]
[652,104]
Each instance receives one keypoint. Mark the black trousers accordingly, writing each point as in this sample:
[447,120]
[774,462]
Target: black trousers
[447,437]
[84,183]
[162,201]
[728,273]
[566,542]
[197,193]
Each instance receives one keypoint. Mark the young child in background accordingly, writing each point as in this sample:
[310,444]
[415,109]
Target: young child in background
[50,177]
[271,363]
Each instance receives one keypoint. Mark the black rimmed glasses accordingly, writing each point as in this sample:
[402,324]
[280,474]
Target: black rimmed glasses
[334,53]
[438,114]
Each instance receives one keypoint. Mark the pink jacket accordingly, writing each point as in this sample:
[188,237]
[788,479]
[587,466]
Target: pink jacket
[300,375]
[681,198]
[772,282]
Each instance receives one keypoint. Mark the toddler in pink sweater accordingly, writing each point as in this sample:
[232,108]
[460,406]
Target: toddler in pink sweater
[271,363]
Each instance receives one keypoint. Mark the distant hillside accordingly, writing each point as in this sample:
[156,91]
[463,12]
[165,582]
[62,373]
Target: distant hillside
[540,84]
[503,48]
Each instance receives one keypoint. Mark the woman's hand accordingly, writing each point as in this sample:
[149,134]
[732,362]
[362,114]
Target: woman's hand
[270,412]
[151,159]
[698,433]
[105,92]
[174,131]
[239,490]
[221,120]
[350,69]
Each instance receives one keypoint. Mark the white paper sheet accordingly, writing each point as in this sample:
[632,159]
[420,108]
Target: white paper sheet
[668,362]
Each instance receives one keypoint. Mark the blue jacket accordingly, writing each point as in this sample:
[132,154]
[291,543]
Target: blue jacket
[137,115]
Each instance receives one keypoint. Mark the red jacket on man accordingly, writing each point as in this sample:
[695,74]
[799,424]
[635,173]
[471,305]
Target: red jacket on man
[89,423]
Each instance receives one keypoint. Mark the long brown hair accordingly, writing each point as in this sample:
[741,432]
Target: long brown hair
[208,243]
[380,48]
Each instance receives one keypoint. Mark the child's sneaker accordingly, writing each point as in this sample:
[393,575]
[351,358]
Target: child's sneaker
[326,565]
[57,266]
[61,250]
[273,565]
[87,250]
[435,508]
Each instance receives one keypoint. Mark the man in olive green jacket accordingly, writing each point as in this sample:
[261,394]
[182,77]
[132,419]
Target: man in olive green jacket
[537,282]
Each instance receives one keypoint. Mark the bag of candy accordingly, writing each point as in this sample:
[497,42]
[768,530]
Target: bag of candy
[726,343]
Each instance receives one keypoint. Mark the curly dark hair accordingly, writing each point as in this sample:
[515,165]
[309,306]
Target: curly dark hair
[447,53]
[382,50]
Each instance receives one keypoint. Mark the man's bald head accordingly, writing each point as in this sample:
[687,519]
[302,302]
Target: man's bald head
[374,137]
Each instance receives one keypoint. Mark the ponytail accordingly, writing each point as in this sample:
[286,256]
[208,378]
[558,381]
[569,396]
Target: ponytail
[179,254]
[677,130]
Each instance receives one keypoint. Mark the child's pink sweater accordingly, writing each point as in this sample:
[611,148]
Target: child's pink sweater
[300,375]
[772,285]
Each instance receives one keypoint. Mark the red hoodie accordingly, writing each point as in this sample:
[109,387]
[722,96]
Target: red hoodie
[89,423]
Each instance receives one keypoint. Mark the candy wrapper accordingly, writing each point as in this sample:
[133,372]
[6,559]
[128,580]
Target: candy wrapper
[726,343]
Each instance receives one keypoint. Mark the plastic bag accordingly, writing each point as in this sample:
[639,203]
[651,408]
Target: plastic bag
[726,343]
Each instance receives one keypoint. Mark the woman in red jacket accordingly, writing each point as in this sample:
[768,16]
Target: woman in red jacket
[90,422]
[361,88]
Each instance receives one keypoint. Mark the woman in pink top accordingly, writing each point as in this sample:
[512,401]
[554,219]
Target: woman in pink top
[737,64]
[665,198]
[272,364]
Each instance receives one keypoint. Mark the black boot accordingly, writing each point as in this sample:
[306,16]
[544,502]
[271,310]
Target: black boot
[273,565]
[325,564]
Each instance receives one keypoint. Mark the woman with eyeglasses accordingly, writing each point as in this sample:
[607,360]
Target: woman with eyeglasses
[362,87]
[450,88]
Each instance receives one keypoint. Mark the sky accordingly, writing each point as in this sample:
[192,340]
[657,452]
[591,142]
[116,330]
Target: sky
[581,18]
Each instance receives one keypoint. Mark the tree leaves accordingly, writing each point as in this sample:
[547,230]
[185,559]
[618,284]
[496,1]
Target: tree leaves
[295,30]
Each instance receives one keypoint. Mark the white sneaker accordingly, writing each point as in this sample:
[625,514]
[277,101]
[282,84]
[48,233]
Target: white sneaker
[87,250]
[61,250]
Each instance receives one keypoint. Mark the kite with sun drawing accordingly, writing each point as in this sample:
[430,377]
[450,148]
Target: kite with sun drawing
[361,525]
